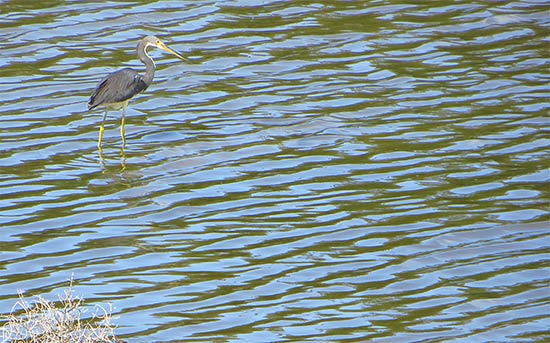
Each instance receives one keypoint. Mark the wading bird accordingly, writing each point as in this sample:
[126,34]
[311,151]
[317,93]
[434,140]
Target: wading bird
[115,90]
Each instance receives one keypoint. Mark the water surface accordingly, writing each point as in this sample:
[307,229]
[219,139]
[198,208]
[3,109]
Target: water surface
[320,171]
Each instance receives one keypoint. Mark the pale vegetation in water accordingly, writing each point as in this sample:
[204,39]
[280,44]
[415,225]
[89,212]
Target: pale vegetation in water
[66,320]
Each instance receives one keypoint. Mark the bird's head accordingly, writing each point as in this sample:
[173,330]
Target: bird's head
[154,41]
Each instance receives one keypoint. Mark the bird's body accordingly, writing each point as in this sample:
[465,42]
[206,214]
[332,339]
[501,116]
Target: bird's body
[128,83]
[116,89]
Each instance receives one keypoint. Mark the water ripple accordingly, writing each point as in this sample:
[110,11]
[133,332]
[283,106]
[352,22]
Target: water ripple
[342,171]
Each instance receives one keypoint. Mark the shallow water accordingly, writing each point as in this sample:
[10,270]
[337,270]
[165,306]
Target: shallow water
[321,171]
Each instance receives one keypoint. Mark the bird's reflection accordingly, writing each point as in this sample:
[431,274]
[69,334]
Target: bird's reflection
[122,156]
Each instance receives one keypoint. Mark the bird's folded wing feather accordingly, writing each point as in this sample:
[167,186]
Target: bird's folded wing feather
[117,87]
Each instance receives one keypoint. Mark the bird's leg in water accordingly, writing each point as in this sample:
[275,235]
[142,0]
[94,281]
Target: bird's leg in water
[101,129]
[122,126]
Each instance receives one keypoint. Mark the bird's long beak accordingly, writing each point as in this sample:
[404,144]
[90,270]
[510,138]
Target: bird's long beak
[163,46]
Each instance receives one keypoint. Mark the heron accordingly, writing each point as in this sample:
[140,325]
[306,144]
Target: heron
[115,90]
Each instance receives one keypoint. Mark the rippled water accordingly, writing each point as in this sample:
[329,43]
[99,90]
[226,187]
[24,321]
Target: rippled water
[321,171]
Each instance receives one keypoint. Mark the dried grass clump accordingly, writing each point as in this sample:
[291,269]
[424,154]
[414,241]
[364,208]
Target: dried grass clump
[62,321]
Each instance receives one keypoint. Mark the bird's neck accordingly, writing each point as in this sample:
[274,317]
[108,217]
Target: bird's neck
[149,63]
[149,72]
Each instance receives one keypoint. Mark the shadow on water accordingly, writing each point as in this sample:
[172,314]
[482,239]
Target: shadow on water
[329,171]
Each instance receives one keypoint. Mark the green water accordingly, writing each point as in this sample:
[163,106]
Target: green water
[335,171]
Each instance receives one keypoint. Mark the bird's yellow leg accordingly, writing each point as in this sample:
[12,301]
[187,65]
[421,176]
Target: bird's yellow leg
[101,129]
[122,132]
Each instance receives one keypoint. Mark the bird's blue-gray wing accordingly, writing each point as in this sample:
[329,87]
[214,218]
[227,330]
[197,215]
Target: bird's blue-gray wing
[117,87]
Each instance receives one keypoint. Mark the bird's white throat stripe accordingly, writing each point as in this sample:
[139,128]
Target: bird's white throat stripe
[147,45]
